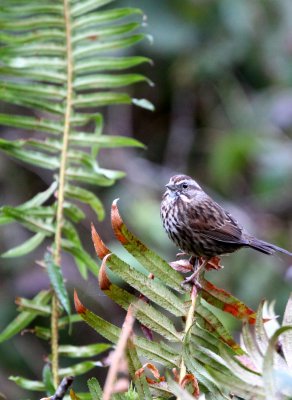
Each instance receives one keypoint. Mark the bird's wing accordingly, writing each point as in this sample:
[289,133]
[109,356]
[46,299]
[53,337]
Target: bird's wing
[213,221]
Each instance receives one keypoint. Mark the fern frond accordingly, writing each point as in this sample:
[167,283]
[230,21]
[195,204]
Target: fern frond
[59,64]
[58,61]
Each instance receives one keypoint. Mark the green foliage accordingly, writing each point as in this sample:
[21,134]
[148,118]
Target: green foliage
[58,69]
[94,388]
[214,363]
[57,282]
[60,63]
[26,317]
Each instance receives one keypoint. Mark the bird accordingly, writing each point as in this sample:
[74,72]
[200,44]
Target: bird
[200,227]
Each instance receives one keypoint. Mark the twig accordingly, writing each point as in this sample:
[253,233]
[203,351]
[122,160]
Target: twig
[62,389]
[189,322]
[121,345]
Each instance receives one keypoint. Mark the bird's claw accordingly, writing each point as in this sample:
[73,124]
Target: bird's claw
[192,280]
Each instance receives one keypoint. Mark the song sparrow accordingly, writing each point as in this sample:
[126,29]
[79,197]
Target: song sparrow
[202,228]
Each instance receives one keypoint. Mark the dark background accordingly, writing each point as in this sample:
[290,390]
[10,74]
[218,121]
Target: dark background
[222,74]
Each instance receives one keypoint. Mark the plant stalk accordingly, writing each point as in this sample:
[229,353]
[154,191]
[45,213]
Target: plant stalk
[127,330]
[55,340]
[189,323]
[61,190]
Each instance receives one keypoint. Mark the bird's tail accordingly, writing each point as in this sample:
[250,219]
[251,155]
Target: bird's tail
[265,247]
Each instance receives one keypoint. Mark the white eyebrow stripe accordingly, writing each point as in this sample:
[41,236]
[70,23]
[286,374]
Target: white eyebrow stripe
[175,180]
[190,183]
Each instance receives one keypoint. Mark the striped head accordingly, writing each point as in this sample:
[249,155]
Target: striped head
[182,186]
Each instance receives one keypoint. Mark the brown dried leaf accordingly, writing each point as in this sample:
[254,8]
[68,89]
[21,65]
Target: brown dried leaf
[190,378]
[152,369]
[78,305]
[223,300]
[117,223]
[100,248]
[103,280]
[183,266]
[214,263]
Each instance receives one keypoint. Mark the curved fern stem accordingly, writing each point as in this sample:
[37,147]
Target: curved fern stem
[61,188]
[189,323]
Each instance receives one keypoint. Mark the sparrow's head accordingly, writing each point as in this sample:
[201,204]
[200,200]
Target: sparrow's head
[180,185]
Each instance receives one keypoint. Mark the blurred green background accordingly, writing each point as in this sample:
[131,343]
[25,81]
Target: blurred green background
[222,73]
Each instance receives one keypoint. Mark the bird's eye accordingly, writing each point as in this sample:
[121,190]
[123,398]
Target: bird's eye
[185,185]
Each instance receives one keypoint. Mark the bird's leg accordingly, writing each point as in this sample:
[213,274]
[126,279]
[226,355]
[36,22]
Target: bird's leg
[194,261]
[197,270]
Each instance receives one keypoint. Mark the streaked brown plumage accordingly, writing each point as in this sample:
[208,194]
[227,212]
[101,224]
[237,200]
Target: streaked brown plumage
[201,227]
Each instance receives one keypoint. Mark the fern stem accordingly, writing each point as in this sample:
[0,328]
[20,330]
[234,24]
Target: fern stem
[55,340]
[66,132]
[189,323]
[61,189]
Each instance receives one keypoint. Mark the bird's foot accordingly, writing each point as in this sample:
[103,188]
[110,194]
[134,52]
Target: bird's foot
[194,261]
[192,280]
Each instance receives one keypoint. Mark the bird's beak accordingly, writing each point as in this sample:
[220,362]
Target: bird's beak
[170,186]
